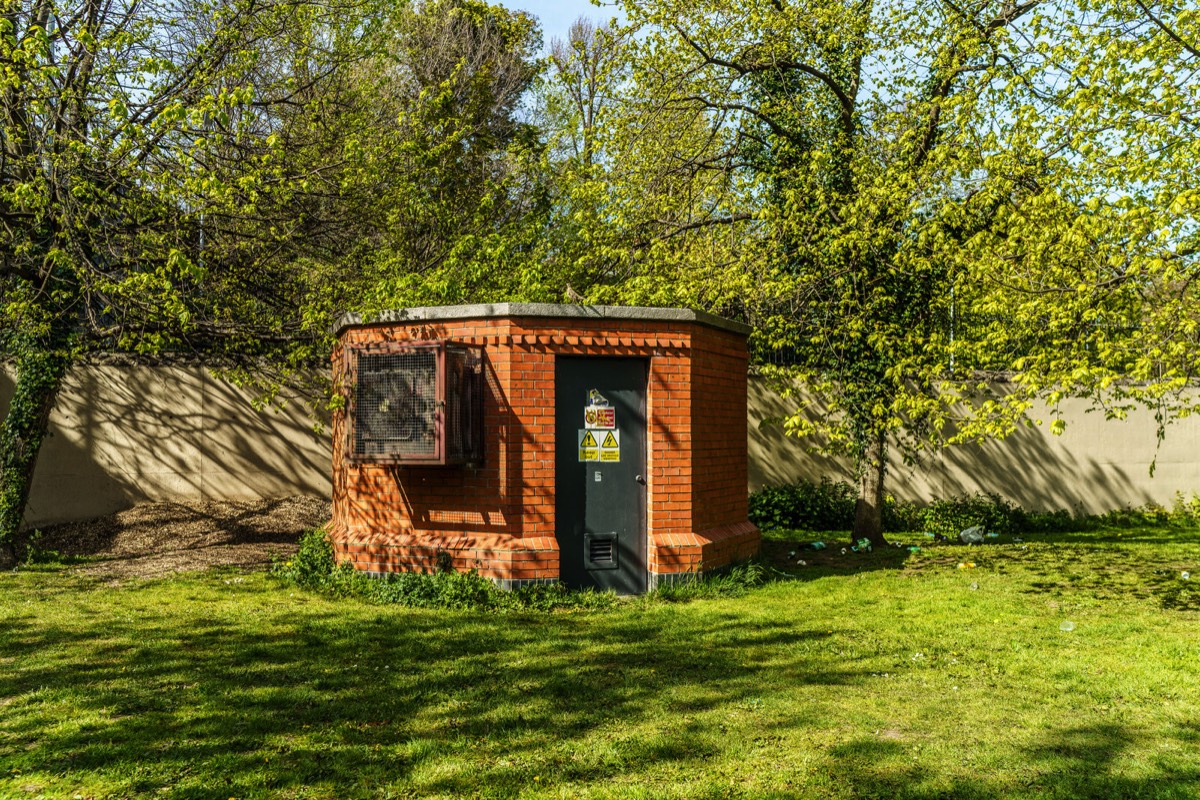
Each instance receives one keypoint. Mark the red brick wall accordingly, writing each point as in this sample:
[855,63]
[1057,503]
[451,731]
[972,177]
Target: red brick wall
[712,422]
[498,517]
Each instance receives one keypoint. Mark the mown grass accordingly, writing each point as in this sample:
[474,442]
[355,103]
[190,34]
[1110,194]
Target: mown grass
[885,675]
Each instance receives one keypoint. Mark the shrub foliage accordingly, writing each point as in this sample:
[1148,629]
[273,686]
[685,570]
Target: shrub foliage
[829,506]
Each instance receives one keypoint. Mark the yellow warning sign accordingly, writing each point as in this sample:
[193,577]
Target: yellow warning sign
[592,449]
[610,448]
[589,448]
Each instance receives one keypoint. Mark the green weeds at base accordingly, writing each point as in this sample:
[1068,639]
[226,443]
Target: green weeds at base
[27,555]
[51,558]
[733,582]
[314,568]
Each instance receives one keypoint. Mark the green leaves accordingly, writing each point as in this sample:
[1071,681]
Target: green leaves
[156,181]
[439,176]
[921,240]
[933,196]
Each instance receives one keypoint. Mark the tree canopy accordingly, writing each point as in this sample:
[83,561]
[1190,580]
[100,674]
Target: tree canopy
[910,198]
[906,198]
[220,178]
[452,204]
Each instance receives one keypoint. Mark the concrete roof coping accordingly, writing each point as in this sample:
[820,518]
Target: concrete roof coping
[548,310]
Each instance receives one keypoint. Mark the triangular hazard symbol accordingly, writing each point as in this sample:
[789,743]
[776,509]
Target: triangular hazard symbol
[588,440]
[610,440]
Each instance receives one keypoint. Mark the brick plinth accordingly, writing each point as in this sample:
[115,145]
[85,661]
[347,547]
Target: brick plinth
[498,557]
[497,517]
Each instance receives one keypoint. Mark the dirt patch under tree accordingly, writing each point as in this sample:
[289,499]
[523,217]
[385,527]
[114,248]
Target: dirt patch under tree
[160,538]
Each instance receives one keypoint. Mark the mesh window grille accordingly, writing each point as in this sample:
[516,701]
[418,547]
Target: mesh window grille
[418,404]
[397,405]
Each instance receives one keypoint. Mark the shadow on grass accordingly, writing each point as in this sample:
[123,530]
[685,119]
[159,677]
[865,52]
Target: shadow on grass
[1162,535]
[1146,562]
[784,550]
[174,690]
[1080,763]
[234,708]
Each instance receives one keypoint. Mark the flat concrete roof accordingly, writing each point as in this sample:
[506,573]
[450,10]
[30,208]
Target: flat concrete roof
[548,310]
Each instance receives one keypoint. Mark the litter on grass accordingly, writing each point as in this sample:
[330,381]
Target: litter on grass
[971,535]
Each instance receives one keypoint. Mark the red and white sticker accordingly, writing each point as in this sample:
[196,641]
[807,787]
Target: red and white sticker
[600,417]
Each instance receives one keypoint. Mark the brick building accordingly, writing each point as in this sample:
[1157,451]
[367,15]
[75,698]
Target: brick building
[606,446]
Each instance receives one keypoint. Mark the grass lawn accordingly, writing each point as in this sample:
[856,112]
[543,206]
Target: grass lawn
[885,675]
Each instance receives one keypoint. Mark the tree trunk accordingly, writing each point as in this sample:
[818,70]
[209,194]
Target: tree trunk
[868,512]
[40,371]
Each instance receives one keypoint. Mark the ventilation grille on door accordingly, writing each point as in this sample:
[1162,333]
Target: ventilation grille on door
[600,551]
[417,403]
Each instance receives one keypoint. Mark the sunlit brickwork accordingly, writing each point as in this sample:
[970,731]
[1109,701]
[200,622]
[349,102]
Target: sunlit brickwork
[497,517]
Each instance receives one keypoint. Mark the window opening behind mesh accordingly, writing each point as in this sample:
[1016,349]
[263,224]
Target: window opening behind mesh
[396,407]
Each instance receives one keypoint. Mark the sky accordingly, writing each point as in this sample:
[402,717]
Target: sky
[557,15]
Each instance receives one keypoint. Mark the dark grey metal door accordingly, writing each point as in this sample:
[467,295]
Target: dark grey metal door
[600,467]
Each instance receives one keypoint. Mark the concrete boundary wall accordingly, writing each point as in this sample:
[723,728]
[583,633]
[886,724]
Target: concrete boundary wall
[122,435]
[1096,465]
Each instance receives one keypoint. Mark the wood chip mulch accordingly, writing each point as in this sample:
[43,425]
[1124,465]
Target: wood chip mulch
[155,539]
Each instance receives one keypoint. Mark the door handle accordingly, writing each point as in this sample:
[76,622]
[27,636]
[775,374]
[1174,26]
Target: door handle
[641,479]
